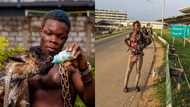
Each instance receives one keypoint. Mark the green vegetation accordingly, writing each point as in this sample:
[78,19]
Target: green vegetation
[160,87]
[108,35]
[6,52]
[78,102]
[180,98]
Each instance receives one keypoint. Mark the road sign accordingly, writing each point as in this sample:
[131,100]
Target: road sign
[180,31]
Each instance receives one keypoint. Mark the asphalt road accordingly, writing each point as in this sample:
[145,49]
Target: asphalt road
[111,64]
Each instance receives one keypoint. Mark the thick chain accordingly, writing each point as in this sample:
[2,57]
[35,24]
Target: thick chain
[65,84]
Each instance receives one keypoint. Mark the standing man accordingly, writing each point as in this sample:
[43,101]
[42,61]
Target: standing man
[136,41]
[47,89]
[149,29]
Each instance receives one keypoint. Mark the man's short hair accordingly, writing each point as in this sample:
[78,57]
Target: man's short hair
[136,22]
[58,15]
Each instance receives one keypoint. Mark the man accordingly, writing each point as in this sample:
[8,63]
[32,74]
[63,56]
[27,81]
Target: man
[144,30]
[46,89]
[149,29]
[136,41]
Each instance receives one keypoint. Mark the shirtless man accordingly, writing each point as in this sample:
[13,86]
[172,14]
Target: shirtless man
[45,89]
[136,43]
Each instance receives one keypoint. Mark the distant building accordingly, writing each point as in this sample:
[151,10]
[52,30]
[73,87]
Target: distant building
[114,16]
[184,18]
[107,21]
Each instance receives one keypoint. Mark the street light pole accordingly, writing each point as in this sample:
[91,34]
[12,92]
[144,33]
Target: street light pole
[163,14]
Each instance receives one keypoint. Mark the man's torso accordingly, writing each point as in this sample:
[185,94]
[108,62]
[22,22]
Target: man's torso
[49,95]
[138,49]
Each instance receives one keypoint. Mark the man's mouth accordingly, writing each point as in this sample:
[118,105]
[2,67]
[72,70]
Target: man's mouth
[51,49]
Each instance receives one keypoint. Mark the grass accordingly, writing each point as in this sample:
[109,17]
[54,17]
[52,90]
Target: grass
[108,35]
[160,87]
[180,98]
[79,103]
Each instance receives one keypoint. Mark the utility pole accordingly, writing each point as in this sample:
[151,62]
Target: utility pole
[163,14]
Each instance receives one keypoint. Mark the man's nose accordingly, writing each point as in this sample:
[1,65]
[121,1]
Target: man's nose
[53,38]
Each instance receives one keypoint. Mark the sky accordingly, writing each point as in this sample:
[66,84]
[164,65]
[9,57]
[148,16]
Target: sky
[144,9]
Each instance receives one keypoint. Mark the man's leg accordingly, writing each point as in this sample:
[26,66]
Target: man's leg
[138,68]
[129,70]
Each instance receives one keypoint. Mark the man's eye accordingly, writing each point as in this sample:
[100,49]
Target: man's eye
[48,33]
[63,37]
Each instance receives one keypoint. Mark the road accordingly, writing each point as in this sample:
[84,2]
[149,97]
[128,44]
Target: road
[111,62]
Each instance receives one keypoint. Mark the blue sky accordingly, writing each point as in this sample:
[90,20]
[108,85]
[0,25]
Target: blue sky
[144,9]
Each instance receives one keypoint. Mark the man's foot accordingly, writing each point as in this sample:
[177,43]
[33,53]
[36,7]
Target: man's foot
[138,89]
[125,90]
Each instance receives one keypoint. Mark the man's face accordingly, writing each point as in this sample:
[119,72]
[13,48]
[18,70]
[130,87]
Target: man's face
[137,27]
[53,36]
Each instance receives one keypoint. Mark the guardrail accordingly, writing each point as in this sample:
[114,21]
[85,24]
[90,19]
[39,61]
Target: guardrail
[168,78]
[177,66]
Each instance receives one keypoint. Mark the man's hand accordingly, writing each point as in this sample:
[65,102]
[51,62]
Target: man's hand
[83,81]
[77,54]
[74,49]
[69,67]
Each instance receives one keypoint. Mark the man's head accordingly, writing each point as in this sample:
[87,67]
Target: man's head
[54,31]
[136,26]
[148,24]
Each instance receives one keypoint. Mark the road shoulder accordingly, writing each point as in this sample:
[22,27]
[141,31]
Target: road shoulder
[149,96]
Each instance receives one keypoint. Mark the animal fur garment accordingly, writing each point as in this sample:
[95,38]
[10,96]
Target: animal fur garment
[15,91]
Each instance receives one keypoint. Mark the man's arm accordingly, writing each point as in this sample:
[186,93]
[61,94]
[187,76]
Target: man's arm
[81,76]
[88,92]
[127,39]
[147,40]
[85,86]
[83,80]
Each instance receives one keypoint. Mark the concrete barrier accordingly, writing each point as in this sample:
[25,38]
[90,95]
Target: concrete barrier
[168,78]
